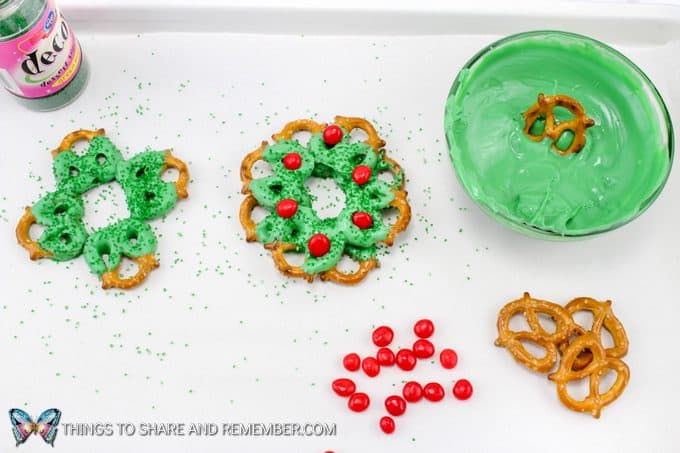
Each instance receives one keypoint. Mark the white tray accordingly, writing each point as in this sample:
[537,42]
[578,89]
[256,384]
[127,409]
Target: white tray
[218,335]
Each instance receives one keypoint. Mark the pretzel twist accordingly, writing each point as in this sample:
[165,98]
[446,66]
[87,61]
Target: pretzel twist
[73,137]
[145,264]
[401,204]
[603,317]
[581,357]
[278,249]
[247,166]
[396,171]
[599,365]
[245,216]
[183,178]
[352,278]
[512,340]
[544,109]
[296,126]
[351,123]
[23,236]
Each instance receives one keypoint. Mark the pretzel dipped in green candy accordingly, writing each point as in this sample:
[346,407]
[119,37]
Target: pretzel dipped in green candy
[293,226]
[61,212]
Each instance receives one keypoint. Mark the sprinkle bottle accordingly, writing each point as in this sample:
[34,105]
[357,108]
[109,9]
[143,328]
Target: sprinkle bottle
[41,61]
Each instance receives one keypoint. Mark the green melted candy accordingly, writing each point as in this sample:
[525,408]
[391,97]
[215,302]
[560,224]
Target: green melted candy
[614,178]
[336,162]
[62,211]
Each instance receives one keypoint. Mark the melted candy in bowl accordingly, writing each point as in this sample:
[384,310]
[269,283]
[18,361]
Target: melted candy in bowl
[519,178]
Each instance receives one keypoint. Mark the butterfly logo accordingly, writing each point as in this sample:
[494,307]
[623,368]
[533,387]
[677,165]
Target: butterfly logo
[23,426]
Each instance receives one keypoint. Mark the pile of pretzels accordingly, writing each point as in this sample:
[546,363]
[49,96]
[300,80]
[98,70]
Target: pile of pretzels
[578,349]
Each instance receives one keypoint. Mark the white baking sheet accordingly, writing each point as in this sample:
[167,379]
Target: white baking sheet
[216,334]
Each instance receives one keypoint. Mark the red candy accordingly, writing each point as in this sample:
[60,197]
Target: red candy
[292,161]
[286,208]
[351,361]
[448,358]
[362,220]
[361,174]
[344,387]
[387,425]
[358,402]
[412,391]
[423,328]
[370,366]
[423,349]
[395,405]
[385,357]
[382,336]
[433,392]
[406,359]
[332,135]
[462,389]
[319,245]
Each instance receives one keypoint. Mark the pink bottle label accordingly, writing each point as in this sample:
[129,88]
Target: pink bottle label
[42,61]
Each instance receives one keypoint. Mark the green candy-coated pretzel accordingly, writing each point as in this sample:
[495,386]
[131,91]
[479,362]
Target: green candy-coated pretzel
[61,212]
[337,161]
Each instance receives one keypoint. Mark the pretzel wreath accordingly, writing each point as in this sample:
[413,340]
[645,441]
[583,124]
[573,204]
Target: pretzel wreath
[582,353]
[293,226]
[544,108]
[61,212]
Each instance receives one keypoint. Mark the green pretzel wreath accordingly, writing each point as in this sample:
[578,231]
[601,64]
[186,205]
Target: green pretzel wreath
[292,225]
[61,212]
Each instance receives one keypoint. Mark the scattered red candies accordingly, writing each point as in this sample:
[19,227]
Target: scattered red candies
[405,359]
[382,336]
[292,161]
[362,220]
[433,392]
[286,208]
[370,366]
[395,405]
[462,389]
[387,424]
[358,402]
[319,245]
[423,349]
[448,358]
[332,135]
[385,357]
[351,361]
[361,174]
[344,387]
[412,391]
[423,328]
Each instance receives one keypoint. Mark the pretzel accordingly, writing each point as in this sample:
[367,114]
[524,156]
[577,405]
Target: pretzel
[307,219]
[401,204]
[23,237]
[73,137]
[245,212]
[511,340]
[278,249]
[145,264]
[543,109]
[603,316]
[599,365]
[247,166]
[183,178]
[351,123]
[334,275]
[296,126]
